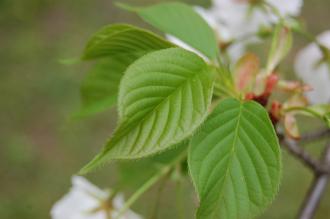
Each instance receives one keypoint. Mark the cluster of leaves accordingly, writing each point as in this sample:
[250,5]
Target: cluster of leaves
[168,97]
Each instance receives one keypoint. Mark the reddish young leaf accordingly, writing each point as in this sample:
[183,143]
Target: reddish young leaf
[246,70]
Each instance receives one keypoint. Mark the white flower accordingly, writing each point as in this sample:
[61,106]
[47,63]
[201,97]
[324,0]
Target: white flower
[184,45]
[86,201]
[287,7]
[241,20]
[234,19]
[313,72]
[234,51]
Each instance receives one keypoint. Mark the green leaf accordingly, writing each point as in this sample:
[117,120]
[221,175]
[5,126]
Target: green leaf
[121,44]
[181,21]
[164,96]
[123,39]
[327,119]
[224,84]
[235,161]
[281,45]
[99,90]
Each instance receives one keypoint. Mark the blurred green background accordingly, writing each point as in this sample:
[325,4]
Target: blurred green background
[41,147]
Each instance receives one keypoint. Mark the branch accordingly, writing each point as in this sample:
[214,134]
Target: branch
[306,138]
[320,168]
[316,190]
[302,155]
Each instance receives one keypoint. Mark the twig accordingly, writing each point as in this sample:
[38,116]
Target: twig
[316,190]
[157,201]
[149,183]
[320,168]
[306,138]
[303,156]
[179,195]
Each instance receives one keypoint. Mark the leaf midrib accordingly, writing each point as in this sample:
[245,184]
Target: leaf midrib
[129,29]
[233,152]
[147,115]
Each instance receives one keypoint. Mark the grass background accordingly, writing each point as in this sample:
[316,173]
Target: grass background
[41,147]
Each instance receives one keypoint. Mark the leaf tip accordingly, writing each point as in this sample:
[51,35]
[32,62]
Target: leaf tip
[92,165]
[87,168]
